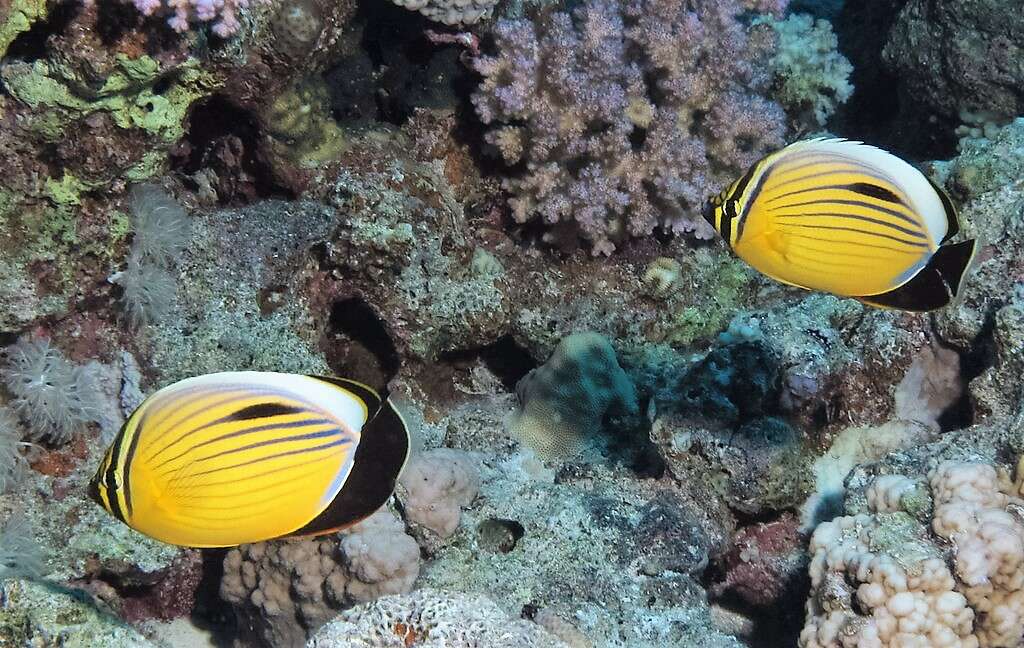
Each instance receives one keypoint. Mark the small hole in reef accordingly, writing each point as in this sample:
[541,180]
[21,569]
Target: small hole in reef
[498,535]
[226,138]
[504,358]
[637,138]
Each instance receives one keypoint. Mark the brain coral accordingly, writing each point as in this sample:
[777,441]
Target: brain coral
[625,115]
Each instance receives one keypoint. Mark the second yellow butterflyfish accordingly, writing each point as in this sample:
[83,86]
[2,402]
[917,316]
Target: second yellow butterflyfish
[846,218]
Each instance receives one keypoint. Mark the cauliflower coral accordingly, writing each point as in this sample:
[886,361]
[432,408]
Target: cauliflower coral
[883,580]
[625,115]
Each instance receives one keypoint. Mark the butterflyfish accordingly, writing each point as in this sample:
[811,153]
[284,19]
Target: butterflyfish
[846,218]
[230,458]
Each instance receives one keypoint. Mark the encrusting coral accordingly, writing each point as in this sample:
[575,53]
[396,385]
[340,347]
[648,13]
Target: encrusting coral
[625,115]
[430,618]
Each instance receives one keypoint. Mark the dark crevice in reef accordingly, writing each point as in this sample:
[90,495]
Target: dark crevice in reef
[211,613]
[397,70]
[30,46]
[878,112]
[358,344]
[777,625]
[974,360]
[504,358]
[225,138]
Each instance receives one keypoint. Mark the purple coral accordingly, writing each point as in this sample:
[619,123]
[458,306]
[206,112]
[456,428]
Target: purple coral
[625,115]
[224,11]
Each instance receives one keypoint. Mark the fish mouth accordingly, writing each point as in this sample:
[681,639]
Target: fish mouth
[93,491]
[709,212]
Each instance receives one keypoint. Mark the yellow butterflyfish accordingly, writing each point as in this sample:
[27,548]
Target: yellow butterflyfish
[236,457]
[846,218]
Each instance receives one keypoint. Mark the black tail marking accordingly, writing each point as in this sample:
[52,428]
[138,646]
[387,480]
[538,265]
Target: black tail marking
[936,285]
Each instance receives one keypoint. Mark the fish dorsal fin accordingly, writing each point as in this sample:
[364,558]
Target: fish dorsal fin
[379,460]
[952,219]
[368,395]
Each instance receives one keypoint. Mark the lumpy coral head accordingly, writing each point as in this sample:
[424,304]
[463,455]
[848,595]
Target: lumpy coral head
[625,115]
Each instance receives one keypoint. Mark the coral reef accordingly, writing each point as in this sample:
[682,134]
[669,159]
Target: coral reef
[225,13]
[451,12]
[626,116]
[437,484]
[282,590]
[432,619]
[954,56]
[811,78]
[881,578]
[564,402]
[20,556]
[43,614]
[238,277]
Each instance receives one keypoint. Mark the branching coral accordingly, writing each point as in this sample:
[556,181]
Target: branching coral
[625,115]
[450,12]
[225,12]
[53,395]
[811,76]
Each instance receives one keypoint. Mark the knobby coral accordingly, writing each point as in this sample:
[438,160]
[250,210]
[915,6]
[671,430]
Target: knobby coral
[625,115]
[883,579]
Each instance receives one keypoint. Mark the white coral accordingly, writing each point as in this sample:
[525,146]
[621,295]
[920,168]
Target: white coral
[906,595]
[437,484]
[973,512]
[451,12]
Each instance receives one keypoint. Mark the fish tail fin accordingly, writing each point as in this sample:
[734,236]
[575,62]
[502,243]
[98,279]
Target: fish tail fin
[938,284]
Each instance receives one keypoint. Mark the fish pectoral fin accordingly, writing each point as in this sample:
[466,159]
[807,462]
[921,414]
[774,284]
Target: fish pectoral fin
[937,284]
[777,242]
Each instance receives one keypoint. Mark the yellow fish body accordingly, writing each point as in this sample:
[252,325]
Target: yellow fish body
[238,457]
[846,218]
